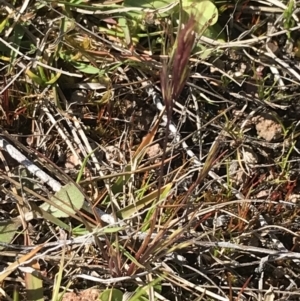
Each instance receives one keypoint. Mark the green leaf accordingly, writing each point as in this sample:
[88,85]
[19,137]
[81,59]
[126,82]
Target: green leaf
[42,73]
[83,231]
[18,34]
[140,293]
[53,79]
[49,217]
[34,77]
[123,24]
[213,32]
[111,295]
[205,11]
[69,198]
[58,277]
[65,55]
[147,3]
[86,68]
[8,229]
[216,33]
[143,202]
[34,284]
[4,23]
[27,179]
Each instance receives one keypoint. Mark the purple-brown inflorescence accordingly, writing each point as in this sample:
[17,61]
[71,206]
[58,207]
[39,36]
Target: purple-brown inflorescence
[178,66]
[180,70]
[175,74]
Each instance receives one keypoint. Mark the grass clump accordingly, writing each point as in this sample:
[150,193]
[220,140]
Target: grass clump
[149,150]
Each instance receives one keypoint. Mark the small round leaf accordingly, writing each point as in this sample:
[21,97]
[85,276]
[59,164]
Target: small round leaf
[8,230]
[205,12]
[69,198]
[111,295]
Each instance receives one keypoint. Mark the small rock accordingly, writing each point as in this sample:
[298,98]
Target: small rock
[114,155]
[267,127]
[239,178]
[294,198]
[153,150]
[90,294]
[249,156]
[263,194]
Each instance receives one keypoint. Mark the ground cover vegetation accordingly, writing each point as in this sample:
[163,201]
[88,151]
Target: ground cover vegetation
[149,150]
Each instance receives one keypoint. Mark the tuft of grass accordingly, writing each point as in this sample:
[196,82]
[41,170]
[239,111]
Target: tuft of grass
[99,188]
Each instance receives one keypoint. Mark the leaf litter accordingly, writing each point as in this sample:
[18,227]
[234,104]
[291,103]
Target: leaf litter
[184,159]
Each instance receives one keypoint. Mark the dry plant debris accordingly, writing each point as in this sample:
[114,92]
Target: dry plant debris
[149,150]
[91,294]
